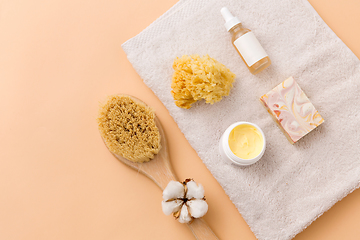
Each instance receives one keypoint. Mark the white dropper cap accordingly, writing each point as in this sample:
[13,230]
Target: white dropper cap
[230,20]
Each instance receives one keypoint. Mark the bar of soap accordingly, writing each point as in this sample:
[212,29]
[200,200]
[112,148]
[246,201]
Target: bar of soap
[292,110]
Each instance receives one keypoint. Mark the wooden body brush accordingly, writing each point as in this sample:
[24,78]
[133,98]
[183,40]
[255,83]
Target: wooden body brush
[134,135]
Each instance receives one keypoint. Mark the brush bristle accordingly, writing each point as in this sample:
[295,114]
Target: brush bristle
[128,128]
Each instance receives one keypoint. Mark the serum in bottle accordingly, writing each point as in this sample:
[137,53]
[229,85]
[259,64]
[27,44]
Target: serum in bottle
[245,42]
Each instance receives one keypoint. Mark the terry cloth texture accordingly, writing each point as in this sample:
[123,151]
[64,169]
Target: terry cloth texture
[291,185]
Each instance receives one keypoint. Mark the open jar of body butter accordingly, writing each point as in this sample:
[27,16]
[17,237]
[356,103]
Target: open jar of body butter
[242,143]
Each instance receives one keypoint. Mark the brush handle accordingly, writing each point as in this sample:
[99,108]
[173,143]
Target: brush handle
[198,227]
[201,230]
[161,173]
[162,177]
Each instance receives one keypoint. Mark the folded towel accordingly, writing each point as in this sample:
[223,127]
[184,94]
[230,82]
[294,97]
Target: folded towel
[291,185]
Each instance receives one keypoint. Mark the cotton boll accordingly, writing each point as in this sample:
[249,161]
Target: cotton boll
[173,190]
[194,190]
[171,206]
[197,208]
[185,201]
[184,215]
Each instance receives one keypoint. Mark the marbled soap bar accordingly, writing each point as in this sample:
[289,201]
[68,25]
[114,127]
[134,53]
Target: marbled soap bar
[292,110]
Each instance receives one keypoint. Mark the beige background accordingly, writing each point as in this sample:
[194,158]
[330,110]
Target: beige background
[58,60]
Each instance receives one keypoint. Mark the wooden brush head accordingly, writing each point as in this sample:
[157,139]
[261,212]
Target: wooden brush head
[128,128]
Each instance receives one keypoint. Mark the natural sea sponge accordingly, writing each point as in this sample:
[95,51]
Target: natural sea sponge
[196,78]
[128,128]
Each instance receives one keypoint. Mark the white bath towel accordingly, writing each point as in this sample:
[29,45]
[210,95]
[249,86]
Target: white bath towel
[291,185]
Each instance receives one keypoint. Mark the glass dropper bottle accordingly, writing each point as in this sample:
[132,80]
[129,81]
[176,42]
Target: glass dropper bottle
[245,42]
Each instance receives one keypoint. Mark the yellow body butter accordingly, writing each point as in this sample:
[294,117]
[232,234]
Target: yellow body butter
[246,141]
